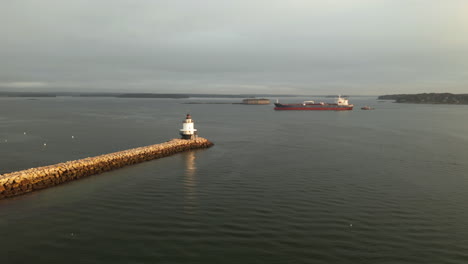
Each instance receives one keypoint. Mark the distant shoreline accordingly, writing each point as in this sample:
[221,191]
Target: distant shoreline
[136,95]
[427,98]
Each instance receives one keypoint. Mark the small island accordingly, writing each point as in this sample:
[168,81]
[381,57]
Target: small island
[427,98]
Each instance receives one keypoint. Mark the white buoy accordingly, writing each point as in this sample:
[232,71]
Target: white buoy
[73,136]
[45,144]
[24,133]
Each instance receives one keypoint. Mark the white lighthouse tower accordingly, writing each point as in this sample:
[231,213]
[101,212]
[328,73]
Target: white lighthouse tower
[188,131]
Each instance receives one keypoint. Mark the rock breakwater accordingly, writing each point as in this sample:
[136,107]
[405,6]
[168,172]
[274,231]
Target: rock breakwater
[25,181]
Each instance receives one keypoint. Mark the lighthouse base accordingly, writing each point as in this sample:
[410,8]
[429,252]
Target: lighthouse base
[191,136]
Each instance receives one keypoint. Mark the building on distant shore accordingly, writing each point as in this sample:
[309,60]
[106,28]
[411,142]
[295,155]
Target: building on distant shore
[255,101]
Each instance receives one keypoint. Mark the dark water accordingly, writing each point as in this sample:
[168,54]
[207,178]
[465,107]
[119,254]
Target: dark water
[382,186]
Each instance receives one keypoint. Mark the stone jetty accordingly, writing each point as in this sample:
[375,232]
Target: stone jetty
[25,181]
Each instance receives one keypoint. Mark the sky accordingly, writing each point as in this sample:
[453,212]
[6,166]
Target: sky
[235,46]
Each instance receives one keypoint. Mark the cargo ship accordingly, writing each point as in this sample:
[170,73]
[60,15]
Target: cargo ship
[340,104]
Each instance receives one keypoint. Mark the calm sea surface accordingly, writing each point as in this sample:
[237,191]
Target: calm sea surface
[382,186]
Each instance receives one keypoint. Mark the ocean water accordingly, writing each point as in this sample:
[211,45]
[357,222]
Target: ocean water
[382,186]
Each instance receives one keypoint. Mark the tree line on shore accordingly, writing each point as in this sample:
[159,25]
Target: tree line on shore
[427,98]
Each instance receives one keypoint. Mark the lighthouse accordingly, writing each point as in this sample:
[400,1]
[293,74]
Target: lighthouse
[188,131]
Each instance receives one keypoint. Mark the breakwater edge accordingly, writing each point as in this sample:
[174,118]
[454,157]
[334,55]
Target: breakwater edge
[25,181]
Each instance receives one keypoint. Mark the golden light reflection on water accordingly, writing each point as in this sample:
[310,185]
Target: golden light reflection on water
[190,182]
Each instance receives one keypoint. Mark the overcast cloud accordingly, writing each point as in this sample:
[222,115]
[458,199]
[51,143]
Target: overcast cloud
[237,46]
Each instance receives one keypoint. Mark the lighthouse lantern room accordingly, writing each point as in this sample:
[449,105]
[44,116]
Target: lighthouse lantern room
[188,131]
